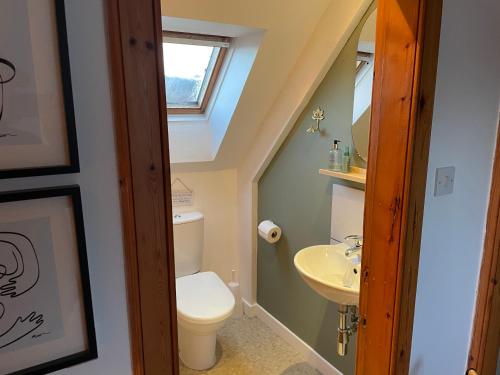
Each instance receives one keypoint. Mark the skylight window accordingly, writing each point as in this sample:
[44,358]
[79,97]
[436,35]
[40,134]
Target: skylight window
[363,61]
[192,66]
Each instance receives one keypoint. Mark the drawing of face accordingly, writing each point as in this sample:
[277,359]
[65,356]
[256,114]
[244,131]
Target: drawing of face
[19,273]
[7,74]
[10,261]
[19,267]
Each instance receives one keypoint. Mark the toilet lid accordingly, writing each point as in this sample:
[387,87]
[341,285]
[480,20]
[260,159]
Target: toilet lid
[203,298]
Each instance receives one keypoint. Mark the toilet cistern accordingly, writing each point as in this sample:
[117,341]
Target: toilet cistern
[355,243]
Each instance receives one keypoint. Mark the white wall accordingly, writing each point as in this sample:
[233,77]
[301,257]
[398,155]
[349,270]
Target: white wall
[98,182]
[463,135]
[215,196]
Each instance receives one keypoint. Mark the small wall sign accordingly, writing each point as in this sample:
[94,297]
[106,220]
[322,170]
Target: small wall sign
[182,195]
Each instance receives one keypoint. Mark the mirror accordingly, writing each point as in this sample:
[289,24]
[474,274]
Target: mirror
[363,87]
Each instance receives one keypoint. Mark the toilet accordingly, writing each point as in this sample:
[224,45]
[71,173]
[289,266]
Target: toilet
[204,302]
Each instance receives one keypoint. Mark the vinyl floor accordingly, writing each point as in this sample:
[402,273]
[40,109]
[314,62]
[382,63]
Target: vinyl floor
[246,346]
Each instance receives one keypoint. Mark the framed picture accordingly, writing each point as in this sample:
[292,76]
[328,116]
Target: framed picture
[46,319]
[37,120]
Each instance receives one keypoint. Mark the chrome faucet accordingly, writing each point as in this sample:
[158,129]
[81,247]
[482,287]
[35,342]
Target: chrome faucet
[356,246]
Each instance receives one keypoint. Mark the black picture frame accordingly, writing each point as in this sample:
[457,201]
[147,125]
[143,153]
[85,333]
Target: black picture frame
[72,191]
[67,90]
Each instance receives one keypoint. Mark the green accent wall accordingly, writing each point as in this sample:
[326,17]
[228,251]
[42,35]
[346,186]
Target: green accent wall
[296,197]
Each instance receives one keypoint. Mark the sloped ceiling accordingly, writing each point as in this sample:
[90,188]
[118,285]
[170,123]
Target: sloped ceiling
[289,25]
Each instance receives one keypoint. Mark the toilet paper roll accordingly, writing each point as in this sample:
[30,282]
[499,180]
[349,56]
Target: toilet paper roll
[269,231]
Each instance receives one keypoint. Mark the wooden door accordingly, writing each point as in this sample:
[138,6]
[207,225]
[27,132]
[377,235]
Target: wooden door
[484,350]
[406,53]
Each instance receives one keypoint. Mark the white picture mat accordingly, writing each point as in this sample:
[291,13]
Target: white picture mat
[53,149]
[60,212]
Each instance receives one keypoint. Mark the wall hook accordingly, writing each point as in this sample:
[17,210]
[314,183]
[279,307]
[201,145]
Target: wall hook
[318,116]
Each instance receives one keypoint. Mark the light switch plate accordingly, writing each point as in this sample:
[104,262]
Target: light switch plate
[445,179]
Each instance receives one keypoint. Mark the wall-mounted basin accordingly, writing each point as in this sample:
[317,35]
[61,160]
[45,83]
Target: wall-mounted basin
[327,270]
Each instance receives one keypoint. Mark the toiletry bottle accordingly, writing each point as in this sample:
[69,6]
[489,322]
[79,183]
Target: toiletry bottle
[336,157]
[346,159]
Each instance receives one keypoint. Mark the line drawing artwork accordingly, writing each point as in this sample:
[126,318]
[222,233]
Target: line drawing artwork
[21,89]
[18,255]
[4,80]
[30,305]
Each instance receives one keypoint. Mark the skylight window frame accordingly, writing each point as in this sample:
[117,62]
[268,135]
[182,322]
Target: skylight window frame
[365,59]
[220,42]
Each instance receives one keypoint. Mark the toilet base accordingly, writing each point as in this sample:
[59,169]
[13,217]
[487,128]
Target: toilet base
[197,350]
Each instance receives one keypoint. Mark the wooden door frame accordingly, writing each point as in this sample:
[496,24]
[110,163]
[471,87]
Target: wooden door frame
[483,352]
[407,44]
[405,71]
[135,45]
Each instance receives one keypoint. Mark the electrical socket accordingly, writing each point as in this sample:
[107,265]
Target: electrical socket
[445,179]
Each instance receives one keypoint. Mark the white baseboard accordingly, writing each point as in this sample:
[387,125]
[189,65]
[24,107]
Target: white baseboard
[311,356]
[248,308]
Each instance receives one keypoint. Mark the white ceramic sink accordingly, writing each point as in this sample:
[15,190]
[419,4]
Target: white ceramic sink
[327,270]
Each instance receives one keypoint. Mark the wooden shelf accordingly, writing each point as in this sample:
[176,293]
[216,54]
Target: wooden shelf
[356,174]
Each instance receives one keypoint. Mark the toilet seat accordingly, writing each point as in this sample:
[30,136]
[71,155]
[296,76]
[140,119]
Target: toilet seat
[203,299]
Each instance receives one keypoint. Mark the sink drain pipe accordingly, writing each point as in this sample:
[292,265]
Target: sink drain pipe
[345,331]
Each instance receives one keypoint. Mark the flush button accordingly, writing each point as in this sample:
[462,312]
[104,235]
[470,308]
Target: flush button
[445,179]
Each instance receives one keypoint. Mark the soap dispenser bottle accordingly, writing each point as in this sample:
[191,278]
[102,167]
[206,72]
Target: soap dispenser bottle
[336,157]
[346,158]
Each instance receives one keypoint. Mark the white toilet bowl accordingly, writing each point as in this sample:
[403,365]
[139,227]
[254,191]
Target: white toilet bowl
[204,303]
